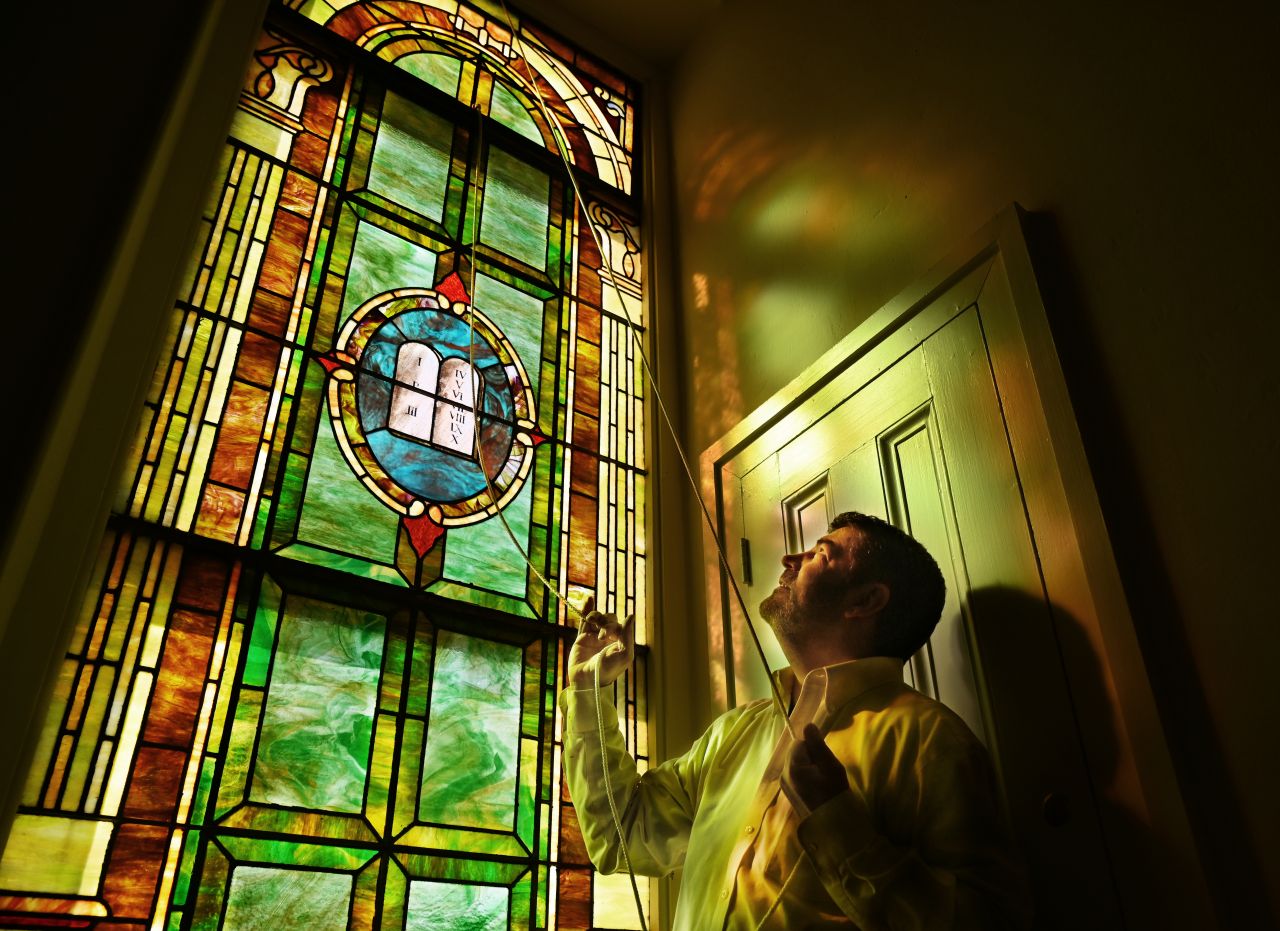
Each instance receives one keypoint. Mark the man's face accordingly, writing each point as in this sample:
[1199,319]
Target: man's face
[814,584]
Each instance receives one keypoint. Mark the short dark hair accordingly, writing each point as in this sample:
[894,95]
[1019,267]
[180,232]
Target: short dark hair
[916,587]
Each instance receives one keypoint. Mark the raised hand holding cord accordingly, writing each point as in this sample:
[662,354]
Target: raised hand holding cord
[603,644]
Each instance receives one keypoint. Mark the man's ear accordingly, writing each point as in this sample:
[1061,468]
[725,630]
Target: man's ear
[866,600]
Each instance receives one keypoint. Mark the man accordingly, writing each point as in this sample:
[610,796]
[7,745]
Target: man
[884,816]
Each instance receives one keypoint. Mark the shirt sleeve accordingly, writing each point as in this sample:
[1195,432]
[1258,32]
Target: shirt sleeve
[951,866]
[656,807]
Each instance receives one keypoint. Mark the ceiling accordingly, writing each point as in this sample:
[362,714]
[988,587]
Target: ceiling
[637,35]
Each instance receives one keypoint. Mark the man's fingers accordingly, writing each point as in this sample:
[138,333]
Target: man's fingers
[606,627]
[800,756]
[817,747]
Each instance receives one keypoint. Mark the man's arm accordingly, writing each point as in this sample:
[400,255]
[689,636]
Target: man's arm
[958,871]
[656,809]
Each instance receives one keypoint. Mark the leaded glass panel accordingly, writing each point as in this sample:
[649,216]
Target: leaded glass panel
[313,681]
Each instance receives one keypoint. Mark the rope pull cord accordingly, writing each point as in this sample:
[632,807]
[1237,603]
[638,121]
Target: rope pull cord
[569,606]
[571,609]
[608,792]
[563,149]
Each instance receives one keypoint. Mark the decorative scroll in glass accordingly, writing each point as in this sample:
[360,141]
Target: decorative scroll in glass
[314,681]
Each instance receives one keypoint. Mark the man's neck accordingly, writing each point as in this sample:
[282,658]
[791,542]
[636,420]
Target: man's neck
[806,657]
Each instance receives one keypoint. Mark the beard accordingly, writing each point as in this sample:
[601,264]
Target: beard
[781,611]
[791,612]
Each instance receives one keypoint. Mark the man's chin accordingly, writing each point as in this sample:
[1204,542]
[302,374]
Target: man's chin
[774,607]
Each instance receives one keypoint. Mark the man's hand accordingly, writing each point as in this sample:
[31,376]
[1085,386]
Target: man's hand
[602,641]
[813,775]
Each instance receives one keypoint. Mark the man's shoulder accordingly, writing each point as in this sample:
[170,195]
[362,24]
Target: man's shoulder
[749,715]
[901,710]
[745,722]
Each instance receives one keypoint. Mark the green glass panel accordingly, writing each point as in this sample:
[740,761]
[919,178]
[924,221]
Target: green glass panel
[482,554]
[339,512]
[544,876]
[473,734]
[56,856]
[440,71]
[459,592]
[382,261]
[183,884]
[270,819]
[384,751]
[263,637]
[213,883]
[420,671]
[236,767]
[510,112]
[410,758]
[544,839]
[457,907]
[356,565]
[266,898]
[292,853]
[463,840]
[313,750]
[521,900]
[518,316]
[411,157]
[203,788]
[528,774]
[515,209]
[392,679]
[490,872]
[393,896]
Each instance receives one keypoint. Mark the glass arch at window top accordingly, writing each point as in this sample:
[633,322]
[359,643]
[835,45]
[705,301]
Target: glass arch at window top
[488,57]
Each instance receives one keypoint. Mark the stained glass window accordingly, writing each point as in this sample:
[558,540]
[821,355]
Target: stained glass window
[313,683]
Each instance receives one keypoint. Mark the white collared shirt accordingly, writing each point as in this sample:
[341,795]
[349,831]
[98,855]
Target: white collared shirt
[918,842]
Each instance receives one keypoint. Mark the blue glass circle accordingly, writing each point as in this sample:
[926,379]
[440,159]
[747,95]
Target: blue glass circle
[426,470]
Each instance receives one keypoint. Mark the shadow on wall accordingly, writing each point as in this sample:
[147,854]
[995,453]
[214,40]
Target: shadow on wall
[1215,808]
[1134,847]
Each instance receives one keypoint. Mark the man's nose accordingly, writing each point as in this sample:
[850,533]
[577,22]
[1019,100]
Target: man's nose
[793,560]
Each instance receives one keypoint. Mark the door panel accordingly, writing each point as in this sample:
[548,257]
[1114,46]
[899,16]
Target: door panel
[923,445]
[916,488]
[857,476]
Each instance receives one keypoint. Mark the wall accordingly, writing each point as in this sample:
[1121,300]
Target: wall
[117,146]
[825,156]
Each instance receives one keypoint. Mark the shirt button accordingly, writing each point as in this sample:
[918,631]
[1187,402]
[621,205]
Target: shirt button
[724,894]
[750,829]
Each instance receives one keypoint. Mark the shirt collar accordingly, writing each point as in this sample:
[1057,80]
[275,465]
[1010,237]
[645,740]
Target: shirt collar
[827,688]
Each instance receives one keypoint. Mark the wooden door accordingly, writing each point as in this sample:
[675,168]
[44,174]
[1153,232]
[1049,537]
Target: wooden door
[878,452]
[913,430]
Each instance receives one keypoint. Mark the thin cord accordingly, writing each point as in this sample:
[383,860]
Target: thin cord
[608,791]
[477,403]
[562,145]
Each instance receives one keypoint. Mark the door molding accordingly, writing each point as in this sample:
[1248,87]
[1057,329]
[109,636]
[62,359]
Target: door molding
[1131,767]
